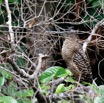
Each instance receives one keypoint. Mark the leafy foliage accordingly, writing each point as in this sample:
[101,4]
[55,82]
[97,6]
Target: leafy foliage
[7,99]
[6,74]
[2,80]
[24,93]
[61,88]
[100,97]
[10,81]
[53,72]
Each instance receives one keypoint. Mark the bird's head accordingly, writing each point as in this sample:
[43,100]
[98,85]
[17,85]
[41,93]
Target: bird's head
[70,33]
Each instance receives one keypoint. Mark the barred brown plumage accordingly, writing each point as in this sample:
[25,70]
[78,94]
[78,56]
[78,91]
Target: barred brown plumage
[75,58]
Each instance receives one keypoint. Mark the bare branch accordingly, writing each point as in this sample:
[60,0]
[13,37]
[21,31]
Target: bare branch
[10,24]
[40,64]
[55,83]
[23,73]
[87,41]
[72,94]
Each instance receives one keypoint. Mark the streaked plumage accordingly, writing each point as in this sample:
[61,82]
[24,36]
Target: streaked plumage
[75,58]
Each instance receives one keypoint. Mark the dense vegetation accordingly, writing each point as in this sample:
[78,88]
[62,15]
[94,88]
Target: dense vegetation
[31,37]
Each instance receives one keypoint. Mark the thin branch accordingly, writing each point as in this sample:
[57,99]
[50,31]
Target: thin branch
[10,24]
[55,83]
[87,41]
[40,97]
[23,73]
[73,94]
[40,64]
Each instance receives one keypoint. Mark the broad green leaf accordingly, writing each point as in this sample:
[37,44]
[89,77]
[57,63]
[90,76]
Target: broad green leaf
[48,74]
[52,72]
[70,79]
[24,93]
[46,77]
[7,99]
[6,74]
[61,88]
[61,72]
[2,80]
[69,72]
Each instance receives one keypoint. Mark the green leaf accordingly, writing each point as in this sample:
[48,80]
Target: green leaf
[101,89]
[1,1]
[7,99]
[11,90]
[12,1]
[61,88]
[52,72]
[46,77]
[95,3]
[20,61]
[61,72]
[24,93]
[71,87]
[69,72]
[6,74]
[70,79]
[2,80]
[25,101]
[99,99]
[44,88]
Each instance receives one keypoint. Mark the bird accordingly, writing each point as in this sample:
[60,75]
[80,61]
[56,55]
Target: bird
[76,59]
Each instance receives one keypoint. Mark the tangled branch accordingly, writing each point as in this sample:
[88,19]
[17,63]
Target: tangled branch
[88,40]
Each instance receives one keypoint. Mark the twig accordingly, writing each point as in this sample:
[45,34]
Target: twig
[55,83]
[40,97]
[72,94]
[10,24]
[87,41]
[40,64]
[66,95]
[23,73]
